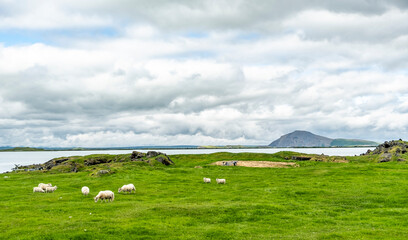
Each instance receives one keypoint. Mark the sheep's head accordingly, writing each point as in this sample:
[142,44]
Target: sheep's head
[120,190]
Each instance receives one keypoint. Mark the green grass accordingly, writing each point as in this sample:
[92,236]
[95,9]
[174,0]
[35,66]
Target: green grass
[318,200]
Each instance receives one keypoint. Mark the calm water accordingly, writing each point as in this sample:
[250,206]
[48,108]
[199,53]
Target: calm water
[9,159]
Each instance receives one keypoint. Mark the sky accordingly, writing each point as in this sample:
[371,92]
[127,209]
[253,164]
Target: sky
[216,72]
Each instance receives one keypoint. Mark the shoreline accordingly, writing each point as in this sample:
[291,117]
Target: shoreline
[168,148]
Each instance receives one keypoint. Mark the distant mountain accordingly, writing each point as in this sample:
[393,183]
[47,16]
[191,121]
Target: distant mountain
[308,139]
[301,139]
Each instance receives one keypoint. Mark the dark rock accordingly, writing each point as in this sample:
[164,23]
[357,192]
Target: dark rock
[74,167]
[151,154]
[385,157]
[137,155]
[95,161]
[58,161]
[164,160]
[401,160]
[301,158]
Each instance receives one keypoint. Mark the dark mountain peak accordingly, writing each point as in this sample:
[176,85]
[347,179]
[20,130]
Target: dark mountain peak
[300,138]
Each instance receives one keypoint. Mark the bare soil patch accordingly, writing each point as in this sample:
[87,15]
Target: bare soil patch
[262,164]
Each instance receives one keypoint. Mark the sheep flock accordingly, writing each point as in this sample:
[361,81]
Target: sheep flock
[106,195]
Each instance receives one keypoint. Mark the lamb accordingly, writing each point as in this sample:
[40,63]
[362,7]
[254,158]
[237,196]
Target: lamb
[50,189]
[207,180]
[44,186]
[85,190]
[105,195]
[38,189]
[220,181]
[127,188]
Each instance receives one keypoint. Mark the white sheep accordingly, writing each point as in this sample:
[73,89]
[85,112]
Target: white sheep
[105,195]
[50,189]
[221,181]
[207,180]
[44,186]
[85,190]
[37,189]
[127,188]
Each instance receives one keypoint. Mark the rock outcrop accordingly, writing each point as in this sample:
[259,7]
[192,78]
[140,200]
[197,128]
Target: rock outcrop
[389,151]
[76,163]
[159,156]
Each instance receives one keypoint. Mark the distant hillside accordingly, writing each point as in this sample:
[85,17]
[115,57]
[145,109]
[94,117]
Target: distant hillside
[20,149]
[339,142]
[308,139]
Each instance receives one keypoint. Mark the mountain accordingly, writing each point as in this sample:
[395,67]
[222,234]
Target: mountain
[301,139]
[308,139]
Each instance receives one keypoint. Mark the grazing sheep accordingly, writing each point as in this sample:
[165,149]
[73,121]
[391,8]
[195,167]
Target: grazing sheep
[85,190]
[207,180]
[37,189]
[50,189]
[220,181]
[127,188]
[44,186]
[105,195]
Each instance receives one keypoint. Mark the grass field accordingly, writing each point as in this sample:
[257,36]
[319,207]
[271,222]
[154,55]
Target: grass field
[318,200]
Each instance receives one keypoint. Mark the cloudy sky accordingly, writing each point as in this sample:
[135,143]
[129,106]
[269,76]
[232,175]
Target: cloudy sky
[132,72]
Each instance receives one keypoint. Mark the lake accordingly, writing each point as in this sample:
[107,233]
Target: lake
[9,159]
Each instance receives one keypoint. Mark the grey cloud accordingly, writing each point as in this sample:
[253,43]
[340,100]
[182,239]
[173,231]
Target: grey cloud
[343,81]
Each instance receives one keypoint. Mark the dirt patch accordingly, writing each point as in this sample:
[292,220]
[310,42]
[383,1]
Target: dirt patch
[340,161]
[262,164]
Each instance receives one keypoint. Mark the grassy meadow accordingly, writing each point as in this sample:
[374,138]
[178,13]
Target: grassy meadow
[318,200]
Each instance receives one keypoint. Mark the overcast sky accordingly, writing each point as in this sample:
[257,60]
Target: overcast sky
[127,72]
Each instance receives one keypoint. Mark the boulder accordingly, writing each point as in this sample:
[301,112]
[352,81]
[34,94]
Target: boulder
[137,155]
[151,154]
[164,159]
[301,158]
[95,161]
[385,157]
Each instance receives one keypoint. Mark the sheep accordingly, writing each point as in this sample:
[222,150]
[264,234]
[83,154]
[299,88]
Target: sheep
[207,180]
[44,186]
[105,195]
[85,190]
[50,189]
[220,181]
[127,188]
[38,189]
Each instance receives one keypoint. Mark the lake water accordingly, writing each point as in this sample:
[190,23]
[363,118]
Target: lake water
[9,159]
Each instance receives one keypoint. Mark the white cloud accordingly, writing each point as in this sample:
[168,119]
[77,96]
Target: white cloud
[193,72]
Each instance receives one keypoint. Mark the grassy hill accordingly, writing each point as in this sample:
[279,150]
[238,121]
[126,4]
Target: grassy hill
[324,198]
[340,142]
[21,149]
